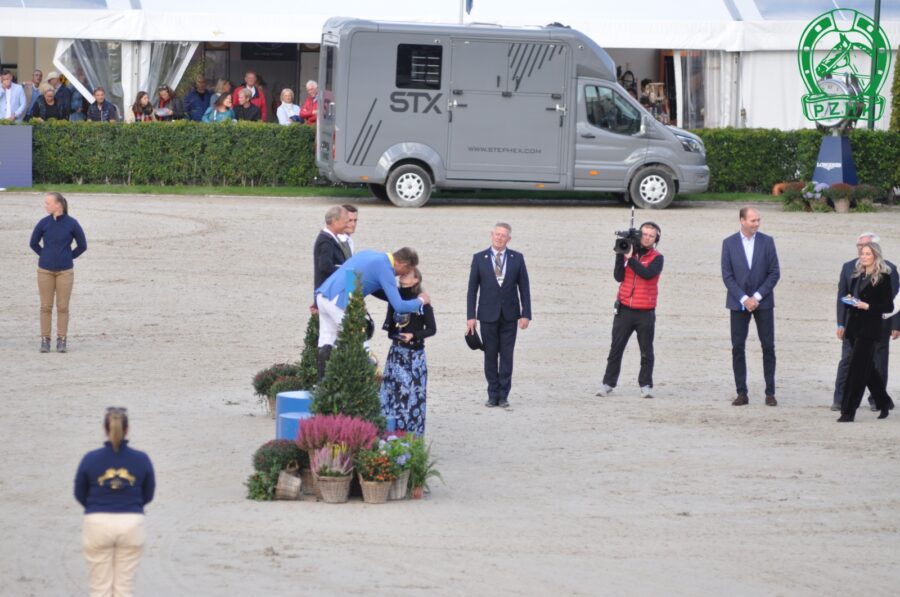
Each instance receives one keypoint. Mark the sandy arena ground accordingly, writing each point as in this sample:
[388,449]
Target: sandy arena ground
[180,300]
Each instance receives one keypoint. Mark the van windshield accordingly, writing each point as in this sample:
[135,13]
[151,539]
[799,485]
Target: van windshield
[610,110]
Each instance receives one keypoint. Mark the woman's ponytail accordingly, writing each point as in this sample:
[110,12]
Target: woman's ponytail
[116,426]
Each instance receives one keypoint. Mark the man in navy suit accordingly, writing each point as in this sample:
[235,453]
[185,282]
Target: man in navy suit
[750,272]
[891,331]
[499,281]
[328,252]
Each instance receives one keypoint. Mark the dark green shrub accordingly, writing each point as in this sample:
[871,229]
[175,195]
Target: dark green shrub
[264,379]
[895,101]
[308,370]
[286,384]
[261,484]
[349,386]
[183,152]
[279,453]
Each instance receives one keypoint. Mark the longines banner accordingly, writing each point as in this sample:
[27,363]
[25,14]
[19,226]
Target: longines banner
[841,85]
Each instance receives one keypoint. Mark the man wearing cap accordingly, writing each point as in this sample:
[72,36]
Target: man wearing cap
[498,284]
[61,92]
[377,272]
[12,98]
[637,272]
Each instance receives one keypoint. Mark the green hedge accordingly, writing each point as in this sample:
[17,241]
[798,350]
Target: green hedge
[244,153]
[255,154]
[753,160]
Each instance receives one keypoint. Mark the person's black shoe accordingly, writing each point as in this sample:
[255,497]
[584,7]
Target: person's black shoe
[503,403]
[490,404]
[45,344]
[61,345]
[845,419]
[884,413]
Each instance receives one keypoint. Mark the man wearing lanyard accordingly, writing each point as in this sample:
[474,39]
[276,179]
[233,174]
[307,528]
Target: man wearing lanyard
[498,284]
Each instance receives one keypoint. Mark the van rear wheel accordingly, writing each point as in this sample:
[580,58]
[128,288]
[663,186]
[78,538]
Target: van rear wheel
[652,188]
[379,191]
[409,185]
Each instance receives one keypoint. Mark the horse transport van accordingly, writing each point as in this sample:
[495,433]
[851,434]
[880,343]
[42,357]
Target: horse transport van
[407,108]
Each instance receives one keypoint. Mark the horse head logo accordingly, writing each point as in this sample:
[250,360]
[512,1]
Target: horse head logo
[843,86]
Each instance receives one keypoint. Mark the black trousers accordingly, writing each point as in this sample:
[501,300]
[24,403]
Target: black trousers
[499,339]
[765,329]
[882,348]
[862,372]
[626,322]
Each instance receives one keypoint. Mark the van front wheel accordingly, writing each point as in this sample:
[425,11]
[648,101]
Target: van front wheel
[409,186]
[652,188]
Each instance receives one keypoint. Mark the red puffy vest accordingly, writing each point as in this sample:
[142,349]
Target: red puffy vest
[636,292]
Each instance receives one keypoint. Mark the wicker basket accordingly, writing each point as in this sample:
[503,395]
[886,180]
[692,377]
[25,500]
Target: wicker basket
[289,483]
[335,490]
[375,492]
[400,486]
[307,477]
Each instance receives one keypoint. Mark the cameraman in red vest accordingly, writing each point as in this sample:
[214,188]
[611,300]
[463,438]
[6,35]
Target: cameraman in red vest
[638,272]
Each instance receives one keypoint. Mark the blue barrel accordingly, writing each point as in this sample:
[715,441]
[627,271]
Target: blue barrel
[299,401]
[288,424]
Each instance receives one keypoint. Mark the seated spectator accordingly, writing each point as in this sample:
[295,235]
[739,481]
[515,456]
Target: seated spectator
[246,110]
[47,108]
[101,110]
[288,111]
[257,97]
[79,104]
[311,105]
[168,107]
[221,112]
[222,86]
[62,93]
[197,100]
[141,109]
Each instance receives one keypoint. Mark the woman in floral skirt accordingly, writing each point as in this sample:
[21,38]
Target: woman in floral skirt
[405,372]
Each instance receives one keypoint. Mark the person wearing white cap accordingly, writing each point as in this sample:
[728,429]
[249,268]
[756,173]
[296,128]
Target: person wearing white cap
[62,93]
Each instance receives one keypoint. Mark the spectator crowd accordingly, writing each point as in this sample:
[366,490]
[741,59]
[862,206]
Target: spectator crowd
[57,99]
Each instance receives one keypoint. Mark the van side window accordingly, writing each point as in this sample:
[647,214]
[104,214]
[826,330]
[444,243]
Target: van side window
[419,66]
[611,111]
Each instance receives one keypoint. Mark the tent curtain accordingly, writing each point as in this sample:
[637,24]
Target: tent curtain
[89,64]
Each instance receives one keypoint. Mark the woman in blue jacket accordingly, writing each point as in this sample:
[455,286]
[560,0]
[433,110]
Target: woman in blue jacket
[56,273]
[114,484]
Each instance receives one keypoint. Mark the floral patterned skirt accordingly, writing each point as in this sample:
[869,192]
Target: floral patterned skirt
[403,388]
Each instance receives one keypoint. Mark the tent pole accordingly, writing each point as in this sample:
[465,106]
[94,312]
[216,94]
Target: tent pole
[872,73]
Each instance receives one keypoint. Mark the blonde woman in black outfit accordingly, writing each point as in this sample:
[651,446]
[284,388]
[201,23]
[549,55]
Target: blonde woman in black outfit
[871,298]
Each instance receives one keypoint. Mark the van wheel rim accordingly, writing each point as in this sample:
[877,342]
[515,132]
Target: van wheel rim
[654,189]
[410,187]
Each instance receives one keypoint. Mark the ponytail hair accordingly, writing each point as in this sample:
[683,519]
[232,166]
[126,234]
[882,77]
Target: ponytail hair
[61,200]
[116,425]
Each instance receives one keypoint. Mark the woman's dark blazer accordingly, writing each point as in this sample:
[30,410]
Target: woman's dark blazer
[868,323]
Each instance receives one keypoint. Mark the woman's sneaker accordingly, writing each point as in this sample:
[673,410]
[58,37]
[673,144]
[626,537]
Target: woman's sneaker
[45,344]
[60,345]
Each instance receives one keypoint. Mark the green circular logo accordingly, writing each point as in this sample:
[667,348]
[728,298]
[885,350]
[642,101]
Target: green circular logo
[838,75]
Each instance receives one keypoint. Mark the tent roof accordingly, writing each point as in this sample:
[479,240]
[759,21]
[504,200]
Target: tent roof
[732,25]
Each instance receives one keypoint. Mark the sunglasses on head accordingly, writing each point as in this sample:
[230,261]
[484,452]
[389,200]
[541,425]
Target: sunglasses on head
[116,410]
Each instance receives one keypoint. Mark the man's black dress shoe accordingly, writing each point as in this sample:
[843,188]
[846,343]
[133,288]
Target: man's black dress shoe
[490,404]
[503,403]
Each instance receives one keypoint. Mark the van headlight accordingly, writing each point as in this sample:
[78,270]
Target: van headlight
[691,144]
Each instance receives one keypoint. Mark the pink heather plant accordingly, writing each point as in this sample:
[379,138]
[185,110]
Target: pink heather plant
[319,430]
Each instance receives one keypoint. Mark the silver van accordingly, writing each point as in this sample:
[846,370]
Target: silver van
[409,107]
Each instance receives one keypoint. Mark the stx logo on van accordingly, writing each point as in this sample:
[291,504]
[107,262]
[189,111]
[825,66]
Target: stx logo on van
[400,101]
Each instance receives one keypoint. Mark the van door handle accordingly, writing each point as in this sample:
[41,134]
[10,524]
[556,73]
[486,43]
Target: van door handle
[455,104]
[589,136]
[557,108]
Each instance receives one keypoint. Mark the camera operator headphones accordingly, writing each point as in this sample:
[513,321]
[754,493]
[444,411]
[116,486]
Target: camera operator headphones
[655,227]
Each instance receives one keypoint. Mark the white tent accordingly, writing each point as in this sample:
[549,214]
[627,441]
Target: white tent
[743,52]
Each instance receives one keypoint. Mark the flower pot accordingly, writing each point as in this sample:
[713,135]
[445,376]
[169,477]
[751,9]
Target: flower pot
[308,484]
[270,402]
[335,490]
[842,206]
[417,493]
[399,487]
[375,492]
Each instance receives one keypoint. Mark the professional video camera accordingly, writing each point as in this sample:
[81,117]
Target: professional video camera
[627,240]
